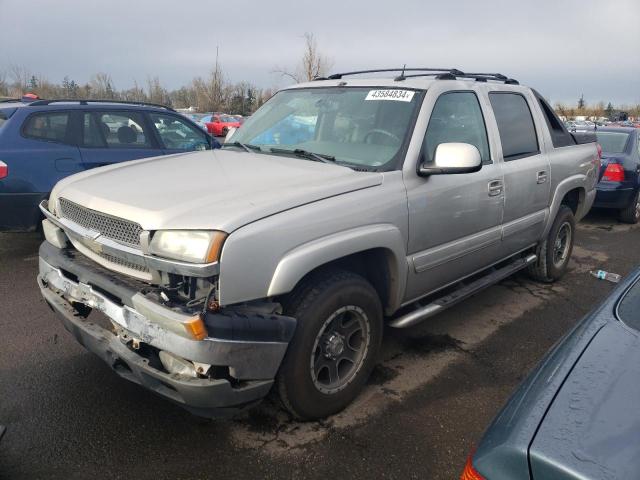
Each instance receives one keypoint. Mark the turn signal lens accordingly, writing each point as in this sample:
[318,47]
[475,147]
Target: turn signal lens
[470,473]
[614,173]
[195,328]
[4,170]
[216,246]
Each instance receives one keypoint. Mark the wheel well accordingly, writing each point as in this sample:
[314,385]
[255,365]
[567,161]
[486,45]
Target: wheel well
[573,199]
[374,265]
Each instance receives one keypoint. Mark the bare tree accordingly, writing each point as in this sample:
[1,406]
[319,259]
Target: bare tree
[156,92]
[210,91]
[312,65]
[19,76]
[102,86]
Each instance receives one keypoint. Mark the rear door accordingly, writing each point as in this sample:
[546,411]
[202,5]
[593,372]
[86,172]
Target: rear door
[525,168]
[40,151]
[177,135]
[111,136]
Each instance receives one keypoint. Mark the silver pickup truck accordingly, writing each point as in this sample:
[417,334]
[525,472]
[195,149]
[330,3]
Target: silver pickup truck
[341,205]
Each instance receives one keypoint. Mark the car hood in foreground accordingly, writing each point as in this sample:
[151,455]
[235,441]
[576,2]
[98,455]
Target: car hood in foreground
[218,189]
[592,429]
[503,452]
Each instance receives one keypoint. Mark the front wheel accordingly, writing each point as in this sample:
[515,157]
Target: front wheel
[335,345]
[631,214]
[555,250]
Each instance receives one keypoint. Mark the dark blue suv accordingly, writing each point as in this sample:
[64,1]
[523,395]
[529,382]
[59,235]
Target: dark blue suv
[43,141]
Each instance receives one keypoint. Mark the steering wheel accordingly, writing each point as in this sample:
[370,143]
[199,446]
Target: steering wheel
[381,132]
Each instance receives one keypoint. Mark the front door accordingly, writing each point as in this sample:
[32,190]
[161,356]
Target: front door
[454,220]
[111,136]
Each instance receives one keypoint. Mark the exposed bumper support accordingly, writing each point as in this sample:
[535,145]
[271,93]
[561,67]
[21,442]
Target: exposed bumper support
[250,345]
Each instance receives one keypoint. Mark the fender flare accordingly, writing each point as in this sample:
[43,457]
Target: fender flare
[565,186]
[301,260]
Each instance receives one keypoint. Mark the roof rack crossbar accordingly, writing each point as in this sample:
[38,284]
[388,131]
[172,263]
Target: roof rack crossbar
[440,73]
[481,77]
[338,76]
[86,102]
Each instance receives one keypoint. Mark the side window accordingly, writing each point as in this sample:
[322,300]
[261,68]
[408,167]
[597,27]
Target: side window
[456,117]
[560,137]
[515,125]
[91,134]
[123,129]
[50,127]
[178,134]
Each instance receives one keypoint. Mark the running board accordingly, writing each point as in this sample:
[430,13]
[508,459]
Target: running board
[447,301]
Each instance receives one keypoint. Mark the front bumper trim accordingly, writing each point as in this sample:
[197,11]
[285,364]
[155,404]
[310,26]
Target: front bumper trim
[201,396]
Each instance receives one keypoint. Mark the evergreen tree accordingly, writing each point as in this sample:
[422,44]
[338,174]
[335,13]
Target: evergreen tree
[581,102]
[609,110]
[33,83]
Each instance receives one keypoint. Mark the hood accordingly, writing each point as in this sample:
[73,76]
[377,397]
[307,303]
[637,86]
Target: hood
[215,189]
[593,426]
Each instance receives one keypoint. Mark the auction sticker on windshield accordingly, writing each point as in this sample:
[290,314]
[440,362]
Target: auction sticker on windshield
[397,95]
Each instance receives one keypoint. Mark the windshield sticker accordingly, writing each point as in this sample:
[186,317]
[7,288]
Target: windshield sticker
[397,95]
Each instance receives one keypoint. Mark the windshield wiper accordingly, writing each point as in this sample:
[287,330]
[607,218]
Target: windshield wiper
[246,146]
[318,157]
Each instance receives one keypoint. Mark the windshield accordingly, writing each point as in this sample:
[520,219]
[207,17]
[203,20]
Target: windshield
[612,142]
[229,120]
[362,126]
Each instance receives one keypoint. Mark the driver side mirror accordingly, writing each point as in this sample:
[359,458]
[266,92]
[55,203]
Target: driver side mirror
[230,133]
[451,158]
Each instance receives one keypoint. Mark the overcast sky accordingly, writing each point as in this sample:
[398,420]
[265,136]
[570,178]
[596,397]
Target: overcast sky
[561,47]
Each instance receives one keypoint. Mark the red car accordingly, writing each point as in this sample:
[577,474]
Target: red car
[219,125]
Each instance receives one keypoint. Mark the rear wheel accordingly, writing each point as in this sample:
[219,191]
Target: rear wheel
[554,252]
[335,345]
[631,214]
[225,130]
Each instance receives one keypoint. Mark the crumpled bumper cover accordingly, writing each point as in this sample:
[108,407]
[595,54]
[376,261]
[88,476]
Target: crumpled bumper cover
[253,349]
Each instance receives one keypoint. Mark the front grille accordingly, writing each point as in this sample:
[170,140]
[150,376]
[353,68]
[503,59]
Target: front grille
[123,263]
[118,229]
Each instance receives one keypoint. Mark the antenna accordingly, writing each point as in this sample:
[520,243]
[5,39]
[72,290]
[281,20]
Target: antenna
[401,76]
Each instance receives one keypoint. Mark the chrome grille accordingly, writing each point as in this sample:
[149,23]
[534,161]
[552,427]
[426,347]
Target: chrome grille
[115,228]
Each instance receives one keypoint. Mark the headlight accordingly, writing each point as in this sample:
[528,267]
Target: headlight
[196,246]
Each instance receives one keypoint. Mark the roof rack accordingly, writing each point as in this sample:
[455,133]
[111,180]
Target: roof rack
[86,102]
[439,73]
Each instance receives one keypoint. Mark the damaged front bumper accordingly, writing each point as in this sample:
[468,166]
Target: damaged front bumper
[244,348]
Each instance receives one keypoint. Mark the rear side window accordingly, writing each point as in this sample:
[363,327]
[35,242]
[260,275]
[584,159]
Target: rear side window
[50,127]
[612,142]
[515,125]
[121,129]
[560,137]
[456,117]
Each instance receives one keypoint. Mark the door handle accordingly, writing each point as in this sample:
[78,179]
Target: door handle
[495,188]
[541,176]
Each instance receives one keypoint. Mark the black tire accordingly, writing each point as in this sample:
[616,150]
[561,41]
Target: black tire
[225,130]
[631,214]
[547,268]
[313,303]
